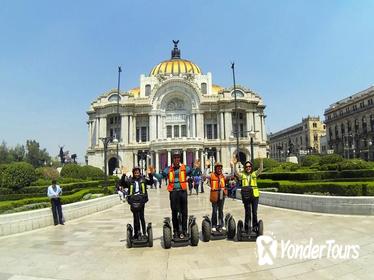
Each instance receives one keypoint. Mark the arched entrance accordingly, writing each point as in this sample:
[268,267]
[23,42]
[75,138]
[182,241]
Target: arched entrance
[112,164]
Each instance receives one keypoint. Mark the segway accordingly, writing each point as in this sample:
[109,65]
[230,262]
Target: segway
[251,234]
[192,237]
[142,241]
[228,233]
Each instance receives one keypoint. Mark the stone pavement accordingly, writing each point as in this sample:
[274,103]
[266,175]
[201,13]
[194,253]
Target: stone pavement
[94,247]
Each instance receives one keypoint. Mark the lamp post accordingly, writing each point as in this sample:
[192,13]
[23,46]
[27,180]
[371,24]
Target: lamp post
[106,141]
[236,112]
[118,116]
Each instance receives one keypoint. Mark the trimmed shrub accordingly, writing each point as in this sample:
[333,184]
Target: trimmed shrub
[353,164]
[286,166]
[72,171]
[92,172]
[310,160]
[333,188]
[333,158]
[8,205]
[48,173]
[81,172]
[268,163]
[17,175]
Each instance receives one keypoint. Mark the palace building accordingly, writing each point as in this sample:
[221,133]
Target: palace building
[175,107]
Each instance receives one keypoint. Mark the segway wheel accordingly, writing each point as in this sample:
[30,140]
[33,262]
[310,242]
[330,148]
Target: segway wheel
[260,228]
[150,237]
[167,237]
[231,229]
[129,238]
[239,230]
[194,235]
[206,230]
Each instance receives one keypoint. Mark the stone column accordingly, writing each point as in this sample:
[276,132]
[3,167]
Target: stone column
[131,132]
[250,121]
[157,165]
[188,127]
[228,125]
[134,129]
[152,127]
[102,131]
[200,125]
[218,126]
[264,137]
[184,157]
[193,126]
[124,129]
[89,135]
[136,159]
[96,131]
[196,154]
[222,126]
[169,157]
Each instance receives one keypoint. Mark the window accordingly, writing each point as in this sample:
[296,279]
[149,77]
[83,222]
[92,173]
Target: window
[238,94]
[355,107]
[211,131]
[147,90]
[144,133]
[362,105]
[370,101]
[315,137]
[168,131]
[176,131]
[324,126]
[315,125]
[184,131]
[203,88]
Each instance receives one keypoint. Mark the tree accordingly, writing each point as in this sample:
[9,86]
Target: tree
[18,153]
[35,155]
[4,153]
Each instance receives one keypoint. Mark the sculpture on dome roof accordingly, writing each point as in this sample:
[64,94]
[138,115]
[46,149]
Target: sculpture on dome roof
[175,53]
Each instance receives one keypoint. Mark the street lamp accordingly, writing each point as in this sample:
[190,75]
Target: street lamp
[118,115]
[143,155]
[106,141]
[210,154]
[236,112]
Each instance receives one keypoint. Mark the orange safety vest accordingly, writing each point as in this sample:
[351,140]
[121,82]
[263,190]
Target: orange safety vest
[182,177]
[217,182]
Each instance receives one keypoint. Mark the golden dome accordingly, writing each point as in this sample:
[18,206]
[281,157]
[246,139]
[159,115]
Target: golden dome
[175,65]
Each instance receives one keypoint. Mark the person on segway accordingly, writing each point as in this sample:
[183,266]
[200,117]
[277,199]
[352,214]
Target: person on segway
[137,198]
[250,194]
[177,174]
[218,192]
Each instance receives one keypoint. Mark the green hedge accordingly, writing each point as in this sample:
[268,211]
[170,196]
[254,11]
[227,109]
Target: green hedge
[7,205]
[17,175]
[319,175]
[81,172]
[332,188]
[41,191]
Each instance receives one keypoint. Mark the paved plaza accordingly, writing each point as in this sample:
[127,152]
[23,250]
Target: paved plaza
[94,247]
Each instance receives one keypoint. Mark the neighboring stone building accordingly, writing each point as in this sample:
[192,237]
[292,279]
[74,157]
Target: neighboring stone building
[175,107]
[350,125]
[302,138]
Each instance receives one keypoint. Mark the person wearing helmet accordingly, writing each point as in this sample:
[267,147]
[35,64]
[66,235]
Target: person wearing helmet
[250,194]
[137,197]
[218,193]
[177,174]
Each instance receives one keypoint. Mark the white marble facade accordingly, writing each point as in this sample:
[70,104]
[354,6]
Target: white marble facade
[176,107]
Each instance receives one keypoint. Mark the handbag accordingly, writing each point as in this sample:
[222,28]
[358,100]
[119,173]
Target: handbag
[214,196]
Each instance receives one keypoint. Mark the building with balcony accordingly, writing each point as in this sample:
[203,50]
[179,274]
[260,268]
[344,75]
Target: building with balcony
[350,125]
[300,139]
[175,107]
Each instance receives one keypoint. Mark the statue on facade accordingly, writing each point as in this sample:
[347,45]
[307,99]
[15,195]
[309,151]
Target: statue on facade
[290,148]
[61,155]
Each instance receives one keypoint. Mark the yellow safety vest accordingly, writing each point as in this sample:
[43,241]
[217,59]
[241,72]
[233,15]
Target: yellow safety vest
[142,185]
[250,181]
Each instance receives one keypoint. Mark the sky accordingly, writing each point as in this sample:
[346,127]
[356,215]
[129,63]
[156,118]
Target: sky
[56,57]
